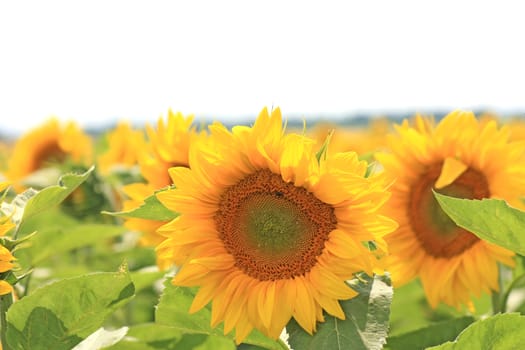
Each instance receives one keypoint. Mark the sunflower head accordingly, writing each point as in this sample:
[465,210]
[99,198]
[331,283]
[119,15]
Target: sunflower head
[459,157]
[361,140]
[48,144]
[6,264]
[167,146]
[5,221]
[268,228]
[124,147]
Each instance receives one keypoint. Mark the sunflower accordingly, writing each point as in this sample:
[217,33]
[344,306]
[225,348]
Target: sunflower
[48,144]
[460,157]
[5,221]
[268,231]
[5,149]
[6,257]
[361,140]
[5,225]
[136,194]
[6,264]
[124,147]
[167,146]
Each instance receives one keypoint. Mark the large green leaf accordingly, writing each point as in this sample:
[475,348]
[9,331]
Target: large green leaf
[60,315]
[52,195]
[153,336]
[173,311]
[102,338]
[54,240]
[365,326]
[145,279]
[151,209]
[410,300]
[501,332]
[430,336]
[31,203]
[149,336]
[490,219]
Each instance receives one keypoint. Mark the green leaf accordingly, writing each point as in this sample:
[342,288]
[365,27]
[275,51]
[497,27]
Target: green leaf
[34,336]
[151,209]
[366,323]
[489,219]
[173,311]
[149,336]
[205,342]
[324,147]
[166,338]
[144,279]
[410,300]
[102,338]
[60,315]
[431,335]
[51,241]
[53,195]
[501,332]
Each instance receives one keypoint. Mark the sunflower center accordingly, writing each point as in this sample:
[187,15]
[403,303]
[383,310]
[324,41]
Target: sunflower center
[273,229]
[49,153]
[436,232]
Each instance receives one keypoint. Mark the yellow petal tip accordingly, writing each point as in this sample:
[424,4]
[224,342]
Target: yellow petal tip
[451,170]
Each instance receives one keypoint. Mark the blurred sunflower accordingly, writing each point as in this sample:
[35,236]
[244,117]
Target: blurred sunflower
[167,146]
[460,157]
[5,222]
[6,257]
[362,140]
[5,150]
[5,225]
[49,144]
[6,264]
[268,231]
[517,129]
[124,147]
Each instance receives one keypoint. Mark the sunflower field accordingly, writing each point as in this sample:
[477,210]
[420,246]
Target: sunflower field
[394,234]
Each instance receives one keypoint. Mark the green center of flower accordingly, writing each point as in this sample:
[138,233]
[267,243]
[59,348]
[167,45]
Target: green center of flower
[272,224]
[273,229]
[436,232]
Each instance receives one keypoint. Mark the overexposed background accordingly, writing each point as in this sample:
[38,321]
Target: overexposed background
[100,61]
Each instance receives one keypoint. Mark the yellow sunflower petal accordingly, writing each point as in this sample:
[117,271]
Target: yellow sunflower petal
[5,288]
[305,310]
[452,169]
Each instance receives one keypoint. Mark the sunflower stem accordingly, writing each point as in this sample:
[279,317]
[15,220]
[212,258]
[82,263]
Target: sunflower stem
[5,303]
[495,302]
[498,297]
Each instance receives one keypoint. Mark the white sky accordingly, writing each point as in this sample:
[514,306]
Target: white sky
[99,61]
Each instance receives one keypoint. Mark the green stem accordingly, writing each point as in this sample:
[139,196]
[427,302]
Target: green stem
[495,302]
[499,297]
[5,303]
[519,281]
[26,284]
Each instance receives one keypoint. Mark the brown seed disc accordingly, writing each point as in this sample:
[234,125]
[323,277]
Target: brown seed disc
[49,153]
[273,229]
[435,231]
